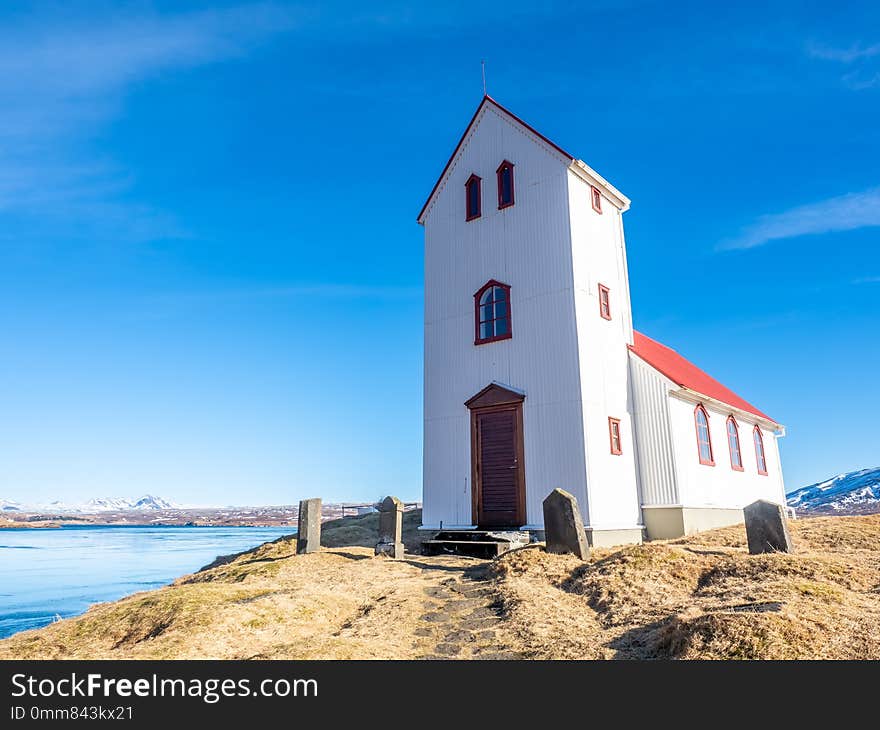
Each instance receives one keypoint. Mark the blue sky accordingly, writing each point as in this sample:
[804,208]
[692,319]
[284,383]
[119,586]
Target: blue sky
[210,270]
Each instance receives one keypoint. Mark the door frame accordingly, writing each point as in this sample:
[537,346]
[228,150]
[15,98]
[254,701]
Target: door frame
[494,398]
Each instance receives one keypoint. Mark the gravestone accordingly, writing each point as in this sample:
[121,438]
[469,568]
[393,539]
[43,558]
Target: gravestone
[564,526]
[308,537]
[766,528]
[390,528]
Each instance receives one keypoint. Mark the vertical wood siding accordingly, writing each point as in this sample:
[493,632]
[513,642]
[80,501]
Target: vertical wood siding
[598,258]
[654,435]
[526,246]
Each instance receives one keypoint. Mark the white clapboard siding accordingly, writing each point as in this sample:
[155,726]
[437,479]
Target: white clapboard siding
[701,485]
[575,367]
[526,246]
[655,452]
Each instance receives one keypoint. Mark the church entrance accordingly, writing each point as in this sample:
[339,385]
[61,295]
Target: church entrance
[498,474]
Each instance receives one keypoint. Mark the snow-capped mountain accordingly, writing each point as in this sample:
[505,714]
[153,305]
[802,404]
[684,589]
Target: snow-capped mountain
[118,504]
[101,504]
[855,493]
[148,501]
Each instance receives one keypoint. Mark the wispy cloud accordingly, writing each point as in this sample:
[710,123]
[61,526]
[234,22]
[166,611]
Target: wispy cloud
[843,55]
[862,72]
[843,213]
[62,79]
[867,280]
[859,81]
[170,304]
[319,290]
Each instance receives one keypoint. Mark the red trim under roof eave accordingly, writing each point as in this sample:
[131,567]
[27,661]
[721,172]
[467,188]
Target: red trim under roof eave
[509,113]
[687,375]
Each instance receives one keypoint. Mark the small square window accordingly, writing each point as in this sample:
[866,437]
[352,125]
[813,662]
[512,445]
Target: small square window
[604,301]
[614,435]
[596,197]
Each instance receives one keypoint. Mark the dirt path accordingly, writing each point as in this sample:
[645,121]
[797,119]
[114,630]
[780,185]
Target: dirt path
[446,608]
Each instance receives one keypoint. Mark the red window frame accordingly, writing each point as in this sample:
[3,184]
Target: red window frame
[711,460]
[614,426]
[477,321]
[604,302]
[470,214]
[498,174]
[760,451]
[730,445]
[596,198]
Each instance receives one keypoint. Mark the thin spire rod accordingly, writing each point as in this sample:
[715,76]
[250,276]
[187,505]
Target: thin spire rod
[483,67]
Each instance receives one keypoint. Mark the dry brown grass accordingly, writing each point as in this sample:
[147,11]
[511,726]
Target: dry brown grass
[698,597]
[704,597]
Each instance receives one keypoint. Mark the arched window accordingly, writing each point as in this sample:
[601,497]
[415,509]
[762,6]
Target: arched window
[736,459]
[505,184]
[704,439]
[473,197]
[759,451]
[492,313]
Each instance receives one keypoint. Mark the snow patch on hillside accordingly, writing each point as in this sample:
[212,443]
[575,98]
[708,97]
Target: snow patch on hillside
[857,492]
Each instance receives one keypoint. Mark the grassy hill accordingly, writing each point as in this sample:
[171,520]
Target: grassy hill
[697,597]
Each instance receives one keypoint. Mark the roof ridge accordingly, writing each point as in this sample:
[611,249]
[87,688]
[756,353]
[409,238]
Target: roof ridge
[671,364]
[486,98]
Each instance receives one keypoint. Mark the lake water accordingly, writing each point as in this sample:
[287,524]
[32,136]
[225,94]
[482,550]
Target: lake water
[46,573]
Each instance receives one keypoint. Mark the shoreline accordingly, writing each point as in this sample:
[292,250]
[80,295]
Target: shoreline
[269,516]
[699,597]
[61,525]
[124,585]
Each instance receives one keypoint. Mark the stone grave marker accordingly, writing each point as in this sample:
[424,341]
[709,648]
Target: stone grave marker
[308,537]
[767,528]
[390,528]
[563,525]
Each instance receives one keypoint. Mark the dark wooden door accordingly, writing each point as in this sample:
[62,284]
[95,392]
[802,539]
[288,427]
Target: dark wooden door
[498,468]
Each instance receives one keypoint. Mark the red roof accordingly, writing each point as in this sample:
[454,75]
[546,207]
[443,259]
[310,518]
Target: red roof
[687,375]
[487,99]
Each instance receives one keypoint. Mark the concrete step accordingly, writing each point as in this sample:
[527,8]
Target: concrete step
[471,547]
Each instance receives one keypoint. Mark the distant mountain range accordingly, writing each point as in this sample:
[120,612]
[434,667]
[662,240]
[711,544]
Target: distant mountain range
[846,494]
[857,492]
[102,504]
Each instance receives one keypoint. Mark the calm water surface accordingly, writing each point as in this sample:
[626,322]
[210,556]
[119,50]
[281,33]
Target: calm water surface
[45,573]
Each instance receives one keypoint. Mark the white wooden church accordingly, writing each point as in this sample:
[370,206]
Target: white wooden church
[534,376]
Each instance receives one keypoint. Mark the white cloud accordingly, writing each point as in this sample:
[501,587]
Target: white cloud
[321,291]
[859,60]
[843,213]
[858,81]
[843,55]
[60,79]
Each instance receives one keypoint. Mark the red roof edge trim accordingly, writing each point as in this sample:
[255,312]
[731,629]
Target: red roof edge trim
[685,374]
[467,130]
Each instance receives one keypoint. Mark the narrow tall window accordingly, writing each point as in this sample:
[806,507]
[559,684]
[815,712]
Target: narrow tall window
[759,451]
[596,198]
[505,184]
[614,435]
[473,197]
[704,439]
[492,313]
[736,460]
[604,301]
